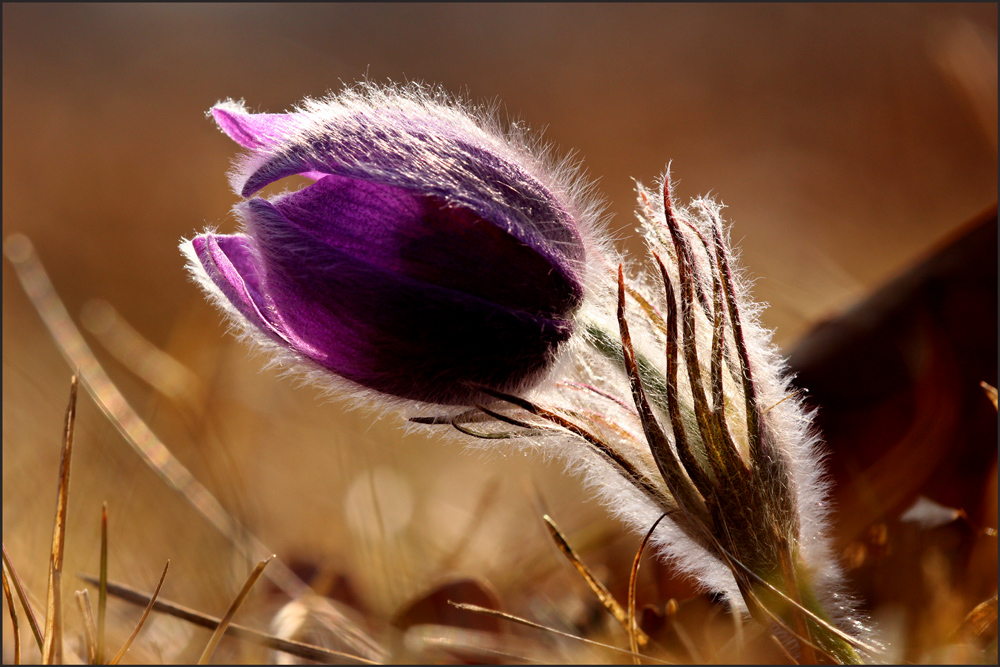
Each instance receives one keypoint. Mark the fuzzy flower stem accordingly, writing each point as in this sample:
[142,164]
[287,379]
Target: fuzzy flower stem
[837,644]
[742,506]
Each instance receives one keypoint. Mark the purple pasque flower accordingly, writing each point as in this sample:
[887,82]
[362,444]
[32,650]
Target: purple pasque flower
[431,256]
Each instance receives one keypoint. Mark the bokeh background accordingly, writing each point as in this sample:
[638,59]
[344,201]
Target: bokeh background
[848,142]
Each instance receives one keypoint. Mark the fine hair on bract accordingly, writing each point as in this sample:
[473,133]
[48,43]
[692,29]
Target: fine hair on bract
[668,398]
[745,491]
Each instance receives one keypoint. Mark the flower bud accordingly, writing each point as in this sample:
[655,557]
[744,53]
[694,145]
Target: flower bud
[431,257]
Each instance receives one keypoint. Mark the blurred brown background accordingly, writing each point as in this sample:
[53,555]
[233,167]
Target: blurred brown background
[847,141]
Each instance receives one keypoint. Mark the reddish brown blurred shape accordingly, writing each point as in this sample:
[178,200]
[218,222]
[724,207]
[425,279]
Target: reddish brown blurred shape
[435,607]
[896,381]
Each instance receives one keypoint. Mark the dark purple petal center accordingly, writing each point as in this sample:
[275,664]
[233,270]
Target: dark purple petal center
[423,238]
[385,330]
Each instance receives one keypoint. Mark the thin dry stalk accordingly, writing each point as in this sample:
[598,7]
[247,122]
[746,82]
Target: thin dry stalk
[19,589]
[538,626]
[89,629]
[52,639]
[102,590]
[470,646]
[154,366]
[599,589]
[220,630]
[13,618]
[979,620]
[142,619]
[633,628]
[140,437]
[299,649]
[784,651]
[991,392]
[689,644]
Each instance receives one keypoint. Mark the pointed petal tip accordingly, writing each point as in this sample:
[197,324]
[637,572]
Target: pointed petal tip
[250,130]
[235,123]
[226,268]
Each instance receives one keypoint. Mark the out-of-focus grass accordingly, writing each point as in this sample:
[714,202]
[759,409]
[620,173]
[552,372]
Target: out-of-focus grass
[846,141]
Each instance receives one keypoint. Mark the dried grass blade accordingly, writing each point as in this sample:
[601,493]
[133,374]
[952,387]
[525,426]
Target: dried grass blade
[52,637]
[689,644]
[141,438]
[22,596]
[784,651]
[220,630]
[979,620]
[538,626]
[89,629]
[468,646]
[70,342]
[153,365]
[102,590]
[300,649]
[991,392]
[13,618]
[599,589]
[635,634]
[142,619]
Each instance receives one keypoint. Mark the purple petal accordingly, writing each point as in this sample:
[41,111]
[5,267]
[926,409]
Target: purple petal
[230,263]
[433,158]
[424,239]
[253,131]
[257,131]
[430,256]
[389,332]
